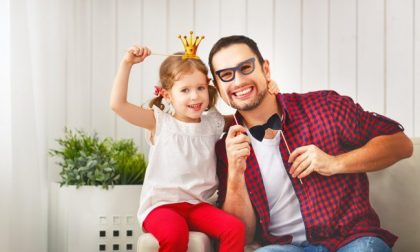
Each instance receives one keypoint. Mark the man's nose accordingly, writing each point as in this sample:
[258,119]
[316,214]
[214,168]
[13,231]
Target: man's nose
[239,77]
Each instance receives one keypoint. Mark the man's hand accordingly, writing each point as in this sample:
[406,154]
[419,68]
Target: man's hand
[308,159]
[237,149]
[237,201]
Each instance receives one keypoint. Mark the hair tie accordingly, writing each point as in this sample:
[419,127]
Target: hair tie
[158,91]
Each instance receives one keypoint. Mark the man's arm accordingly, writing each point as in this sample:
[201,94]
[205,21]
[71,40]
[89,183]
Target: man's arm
[378,153]
[237,201]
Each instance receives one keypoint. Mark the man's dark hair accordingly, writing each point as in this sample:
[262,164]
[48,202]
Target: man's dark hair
[232,40]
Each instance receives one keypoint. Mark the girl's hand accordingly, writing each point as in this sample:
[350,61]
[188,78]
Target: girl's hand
[273,88]
[136,54]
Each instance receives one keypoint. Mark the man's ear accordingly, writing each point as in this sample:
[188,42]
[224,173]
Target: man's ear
[266,70]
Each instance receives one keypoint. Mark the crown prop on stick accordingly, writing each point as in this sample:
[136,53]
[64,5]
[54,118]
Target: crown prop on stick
[190,45]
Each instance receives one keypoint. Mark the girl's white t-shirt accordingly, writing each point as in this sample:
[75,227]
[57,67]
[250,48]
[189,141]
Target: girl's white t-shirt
[182,161]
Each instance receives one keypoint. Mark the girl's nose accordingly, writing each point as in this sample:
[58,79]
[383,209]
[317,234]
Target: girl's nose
[194,95]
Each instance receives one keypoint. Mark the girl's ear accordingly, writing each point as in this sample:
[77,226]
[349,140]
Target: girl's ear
[166,95]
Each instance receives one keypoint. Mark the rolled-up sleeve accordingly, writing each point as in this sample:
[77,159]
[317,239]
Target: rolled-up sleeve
[355,125]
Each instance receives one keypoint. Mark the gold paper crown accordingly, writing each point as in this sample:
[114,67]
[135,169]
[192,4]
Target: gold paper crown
[190,45]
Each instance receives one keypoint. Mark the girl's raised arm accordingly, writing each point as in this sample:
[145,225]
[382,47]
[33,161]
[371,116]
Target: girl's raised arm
[130,112]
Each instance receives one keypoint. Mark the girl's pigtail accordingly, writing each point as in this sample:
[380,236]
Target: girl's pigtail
[157,101]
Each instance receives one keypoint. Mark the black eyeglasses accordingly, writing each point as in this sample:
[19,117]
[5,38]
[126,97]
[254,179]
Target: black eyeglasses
[228,74]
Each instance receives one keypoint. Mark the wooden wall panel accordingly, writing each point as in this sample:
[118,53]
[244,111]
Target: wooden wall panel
[286,66]
[260,18]
[233,17]
[315,51]
[103,52]
[180,22]
[79,66]
[342,47]
[399,85]
[371,55]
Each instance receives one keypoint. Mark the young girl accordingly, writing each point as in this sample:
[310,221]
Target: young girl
[181,174]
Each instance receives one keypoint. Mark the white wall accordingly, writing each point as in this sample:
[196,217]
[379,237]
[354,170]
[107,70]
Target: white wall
[5,128]
[367,49]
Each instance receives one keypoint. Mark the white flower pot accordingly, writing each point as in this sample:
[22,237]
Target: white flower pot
[89,218]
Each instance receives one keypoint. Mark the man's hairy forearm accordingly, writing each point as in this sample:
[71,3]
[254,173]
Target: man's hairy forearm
[379,153]
[237,203]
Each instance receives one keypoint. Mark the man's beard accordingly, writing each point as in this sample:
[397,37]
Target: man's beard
[252,105]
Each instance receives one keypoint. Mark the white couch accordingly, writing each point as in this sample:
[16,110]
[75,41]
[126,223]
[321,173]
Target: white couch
[198,242]
[395,195]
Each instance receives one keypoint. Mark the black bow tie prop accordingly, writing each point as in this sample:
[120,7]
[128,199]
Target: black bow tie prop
[258,132]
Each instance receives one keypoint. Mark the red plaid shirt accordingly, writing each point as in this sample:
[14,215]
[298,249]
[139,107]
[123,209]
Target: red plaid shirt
[335,209]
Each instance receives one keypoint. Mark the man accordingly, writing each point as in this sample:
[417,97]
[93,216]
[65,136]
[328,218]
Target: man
[317,195]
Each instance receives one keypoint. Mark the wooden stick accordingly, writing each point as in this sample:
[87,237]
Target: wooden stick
[162,54]
[288,150]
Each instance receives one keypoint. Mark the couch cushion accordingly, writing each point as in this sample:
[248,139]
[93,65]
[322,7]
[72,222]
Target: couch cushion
[395,195]
[198,242]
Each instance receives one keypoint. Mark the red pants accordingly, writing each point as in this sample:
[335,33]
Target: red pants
[170,225]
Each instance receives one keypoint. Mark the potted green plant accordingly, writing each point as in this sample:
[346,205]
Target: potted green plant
[94,206]
[87,160]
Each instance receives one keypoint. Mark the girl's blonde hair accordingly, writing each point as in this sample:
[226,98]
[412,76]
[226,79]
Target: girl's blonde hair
[171,70]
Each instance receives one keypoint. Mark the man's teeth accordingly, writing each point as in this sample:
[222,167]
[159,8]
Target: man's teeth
[245,91]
